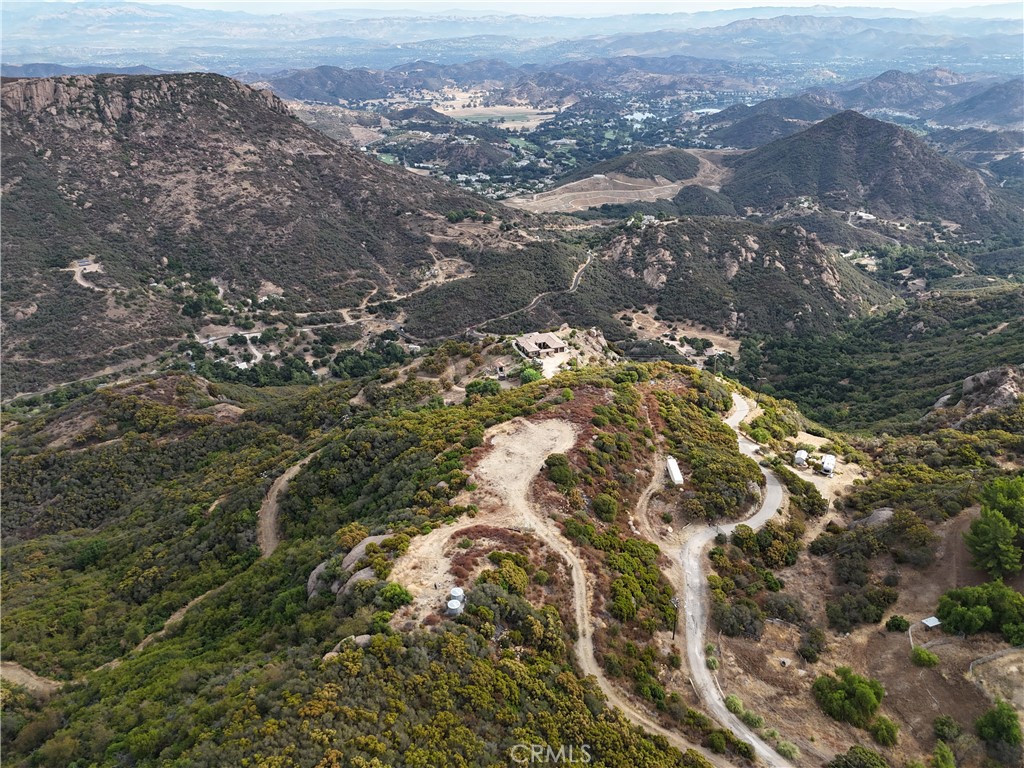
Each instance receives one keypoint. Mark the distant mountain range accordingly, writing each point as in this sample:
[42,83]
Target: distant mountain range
[175,38]
[1002,105]
[938,96]
[535,84]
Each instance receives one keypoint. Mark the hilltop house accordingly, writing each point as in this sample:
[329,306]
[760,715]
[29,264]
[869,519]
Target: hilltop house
[540,344]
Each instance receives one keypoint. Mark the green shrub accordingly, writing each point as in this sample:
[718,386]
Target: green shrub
[812,644]
[858,757]
[922,657]
[942,756]
[885,731]
[848,697]
[392,596]
[530,375]
[734,704]
[991,607]
[717,742]
[606,507]
[752,719]
[897,623]
[787,750]
[483,387]
[711,662]
[946,728]
[999,725]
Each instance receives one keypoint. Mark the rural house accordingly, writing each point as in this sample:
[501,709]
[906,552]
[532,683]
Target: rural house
[540,344]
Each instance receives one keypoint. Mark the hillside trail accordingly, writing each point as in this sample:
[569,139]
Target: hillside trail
[574,285]
[13,672]
[267,535]
[45,686]
[267,531]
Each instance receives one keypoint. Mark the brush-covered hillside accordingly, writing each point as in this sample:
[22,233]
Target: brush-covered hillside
[850,161]
[125,196]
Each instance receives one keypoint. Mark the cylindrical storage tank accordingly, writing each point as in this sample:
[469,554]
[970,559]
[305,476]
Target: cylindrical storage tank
[454,607]
[457,593]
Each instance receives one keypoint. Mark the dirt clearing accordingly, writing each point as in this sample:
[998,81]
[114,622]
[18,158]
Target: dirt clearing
[515,453]
[617,188]
[14,673]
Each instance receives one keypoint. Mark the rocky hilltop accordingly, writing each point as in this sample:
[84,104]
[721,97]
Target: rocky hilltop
[76,101]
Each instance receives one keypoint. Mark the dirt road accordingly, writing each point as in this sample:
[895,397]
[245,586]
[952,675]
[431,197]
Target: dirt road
[696,600]
[13,672]
[266,532]
[517,452]
[507,472]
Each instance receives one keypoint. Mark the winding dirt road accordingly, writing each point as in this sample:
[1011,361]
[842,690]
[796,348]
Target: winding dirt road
[518,450]
[696,599]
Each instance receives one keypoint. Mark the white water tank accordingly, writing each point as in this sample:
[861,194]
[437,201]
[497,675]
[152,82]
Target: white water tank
[454,608]
[458,594]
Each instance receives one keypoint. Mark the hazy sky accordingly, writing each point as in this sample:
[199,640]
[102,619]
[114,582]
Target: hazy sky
[557,7]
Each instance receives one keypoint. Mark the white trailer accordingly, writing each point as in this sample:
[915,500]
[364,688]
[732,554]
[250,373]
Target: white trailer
[828,464]
[674,473]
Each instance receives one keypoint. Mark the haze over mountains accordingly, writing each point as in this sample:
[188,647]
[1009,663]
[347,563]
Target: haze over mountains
[85,34]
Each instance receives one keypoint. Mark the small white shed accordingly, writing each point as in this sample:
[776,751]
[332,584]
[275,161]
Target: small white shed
[931,622]
[674,473]
[800,458]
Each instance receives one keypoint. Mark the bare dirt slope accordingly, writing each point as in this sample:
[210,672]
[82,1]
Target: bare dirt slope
[517,450]
[14,673]
[617,188]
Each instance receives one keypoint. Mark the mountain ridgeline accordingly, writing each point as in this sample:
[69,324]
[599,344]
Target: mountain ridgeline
[140,210]
[851,161]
